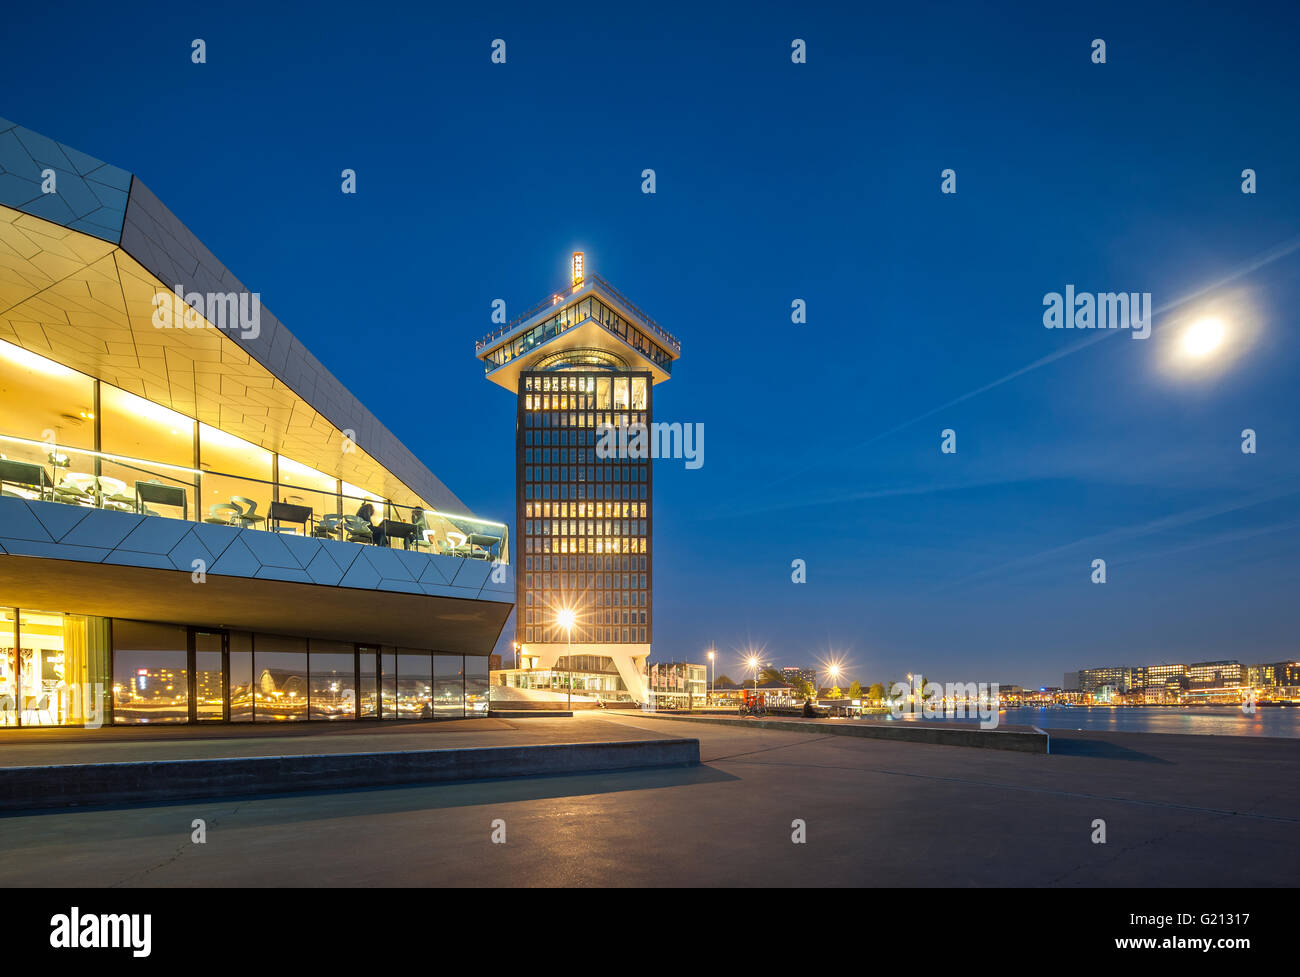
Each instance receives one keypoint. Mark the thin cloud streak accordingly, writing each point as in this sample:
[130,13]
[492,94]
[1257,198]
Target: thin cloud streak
[1174,521]
[1266,258]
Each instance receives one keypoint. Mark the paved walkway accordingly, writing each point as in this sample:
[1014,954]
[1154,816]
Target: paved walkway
[1179,811]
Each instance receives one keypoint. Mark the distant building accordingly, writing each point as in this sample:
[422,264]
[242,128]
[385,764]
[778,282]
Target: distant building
[1215,675]
[1164,684]
[677,685]
[1119,678]
[807,674]
[1261,676]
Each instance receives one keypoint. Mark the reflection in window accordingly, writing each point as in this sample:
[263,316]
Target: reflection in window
[476,685]
[333,680]
[448,686]
[414,685]
[638,393]
[279,678]
[388,684]
[241,677]
[620,393]
[150,677]
[368,693]
[209,676]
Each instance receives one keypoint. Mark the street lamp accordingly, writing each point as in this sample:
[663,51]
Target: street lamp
[564,619]
[753,663]
[711,657]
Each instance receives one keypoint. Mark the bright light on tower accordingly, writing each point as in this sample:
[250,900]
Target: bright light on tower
[577,268]
[564,618]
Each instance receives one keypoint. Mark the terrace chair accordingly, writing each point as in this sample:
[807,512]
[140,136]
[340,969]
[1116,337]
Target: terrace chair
[7,709]
[224,514]
[248,517]
[357,530]
[330,526]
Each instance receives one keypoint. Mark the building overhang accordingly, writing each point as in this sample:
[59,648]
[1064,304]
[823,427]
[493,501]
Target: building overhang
[422,621]
[59,557]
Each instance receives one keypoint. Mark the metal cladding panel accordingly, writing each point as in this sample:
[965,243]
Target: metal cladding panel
[32,528]
[88,195]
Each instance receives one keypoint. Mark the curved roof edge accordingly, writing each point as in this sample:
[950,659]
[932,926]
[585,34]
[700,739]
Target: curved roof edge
[109,203]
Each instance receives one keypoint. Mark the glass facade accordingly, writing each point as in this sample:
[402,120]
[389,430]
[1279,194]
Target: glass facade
[333,685]
[449,686]
[69,438]
[585,521]
[60,669]
[150,673]
[414,685]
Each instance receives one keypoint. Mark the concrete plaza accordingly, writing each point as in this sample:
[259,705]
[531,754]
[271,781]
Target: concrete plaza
[1179,811]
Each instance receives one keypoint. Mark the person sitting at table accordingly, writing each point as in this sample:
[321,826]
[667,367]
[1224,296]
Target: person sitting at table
[367,512]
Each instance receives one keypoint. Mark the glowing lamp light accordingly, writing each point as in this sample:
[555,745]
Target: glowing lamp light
[577,267]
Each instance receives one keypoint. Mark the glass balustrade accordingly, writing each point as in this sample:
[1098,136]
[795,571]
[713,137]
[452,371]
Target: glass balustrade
[51,472]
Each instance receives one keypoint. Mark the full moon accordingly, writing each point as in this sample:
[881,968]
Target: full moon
[1203,337]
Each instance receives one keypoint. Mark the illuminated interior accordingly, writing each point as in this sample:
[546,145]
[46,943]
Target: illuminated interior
[69,438]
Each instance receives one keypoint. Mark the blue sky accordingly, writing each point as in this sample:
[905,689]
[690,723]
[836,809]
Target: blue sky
[778,181]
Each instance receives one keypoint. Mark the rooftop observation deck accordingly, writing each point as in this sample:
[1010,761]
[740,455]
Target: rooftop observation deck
[600,326]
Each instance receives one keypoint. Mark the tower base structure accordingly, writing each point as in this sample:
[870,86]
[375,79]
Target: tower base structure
[629,659]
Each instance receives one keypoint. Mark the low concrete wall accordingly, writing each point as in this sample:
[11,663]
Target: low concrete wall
[1031,740]
[528,714]
[79,785]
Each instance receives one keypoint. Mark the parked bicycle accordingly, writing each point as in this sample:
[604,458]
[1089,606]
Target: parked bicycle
[755,709]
